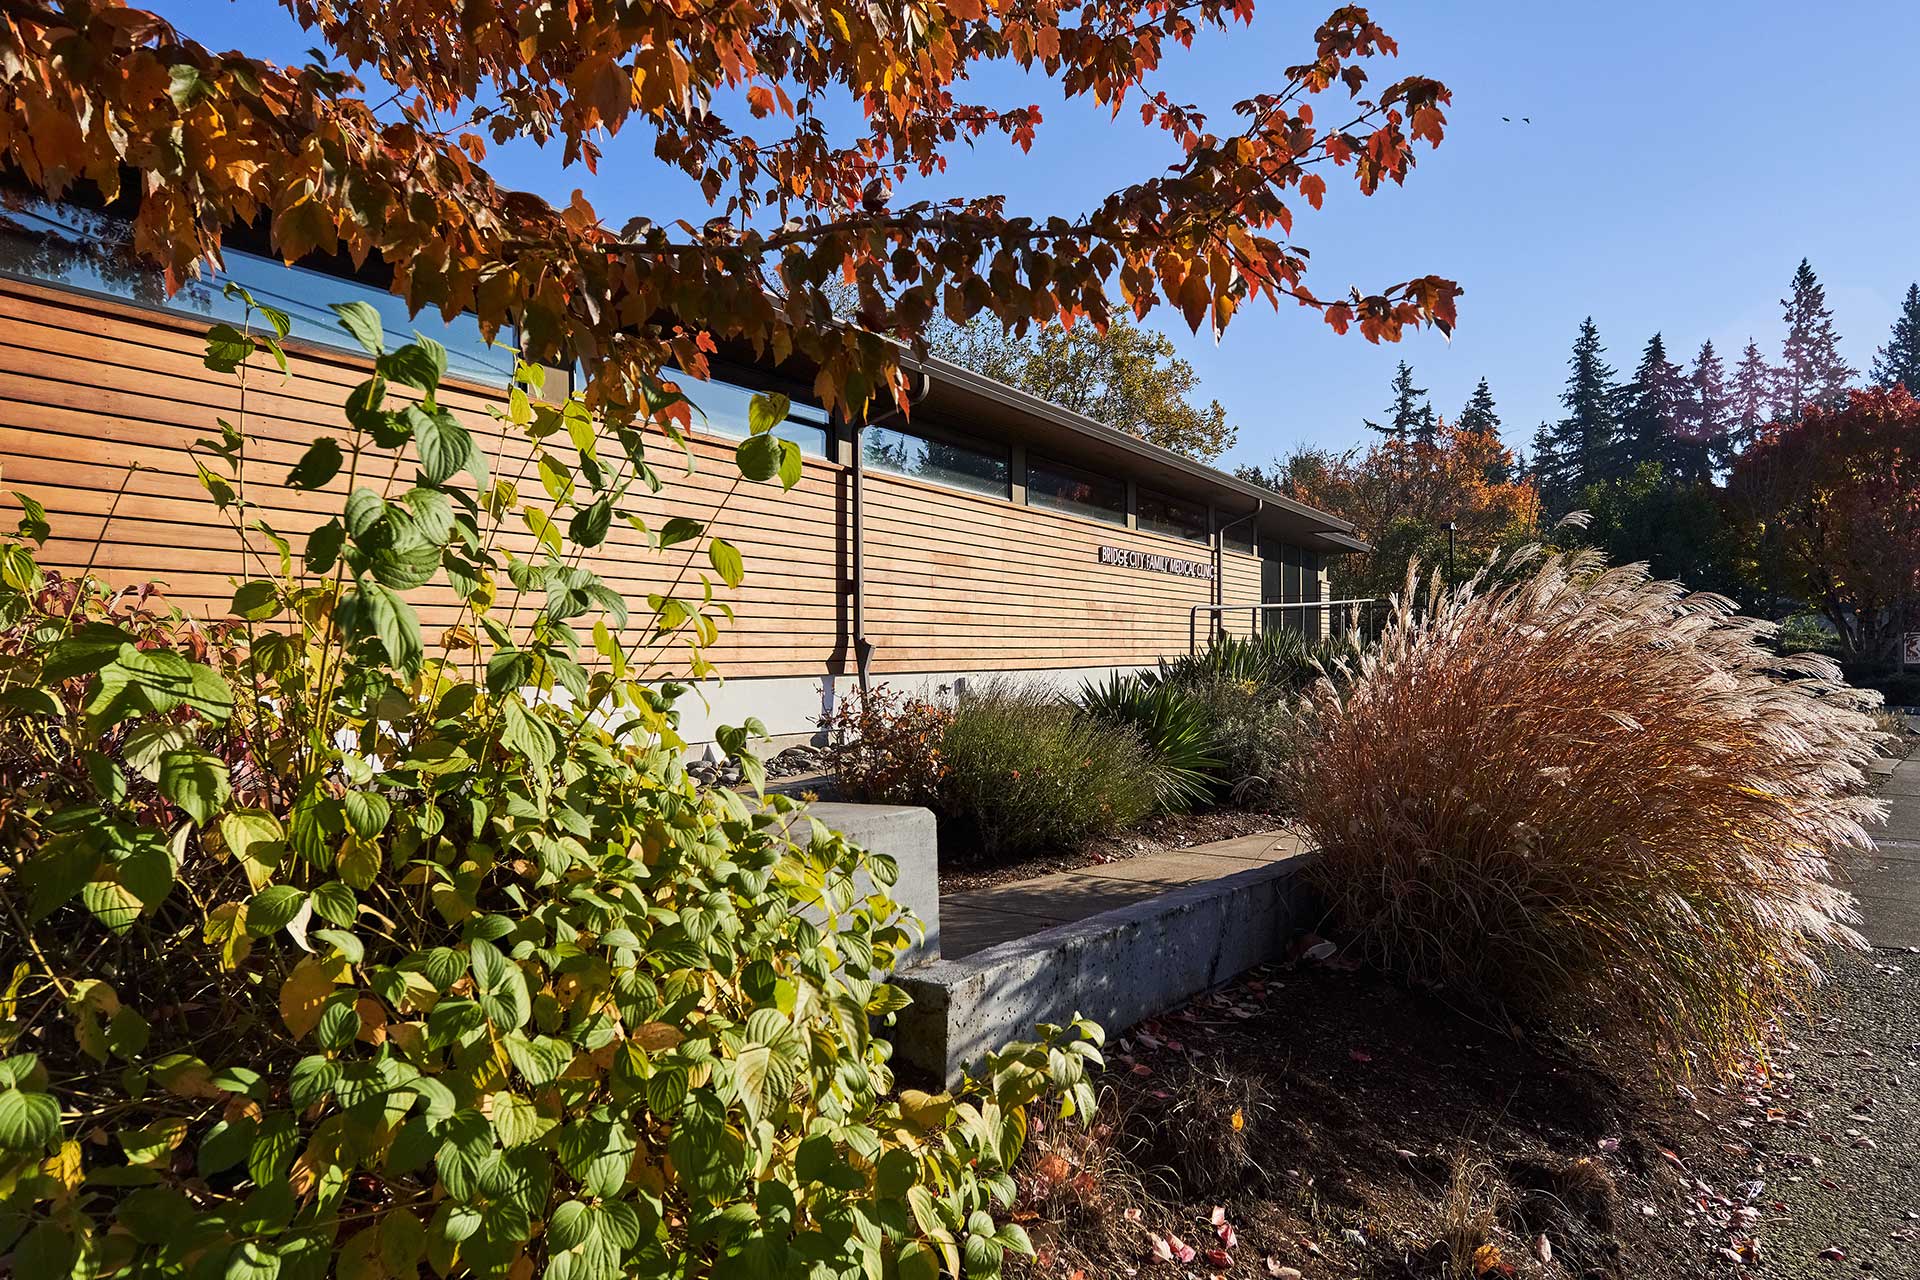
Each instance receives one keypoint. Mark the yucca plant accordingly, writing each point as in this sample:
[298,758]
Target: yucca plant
[1590,798]
[1278,659]
[1175,727]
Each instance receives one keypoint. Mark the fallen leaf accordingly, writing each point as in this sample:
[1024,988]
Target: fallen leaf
[1237,1120]
[1181,1249]
[1219,1258]
[1279,1272]
[1543,1249]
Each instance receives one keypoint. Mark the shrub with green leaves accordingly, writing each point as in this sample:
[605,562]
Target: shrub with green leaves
[1175,727]
[335,948]
[1026,771]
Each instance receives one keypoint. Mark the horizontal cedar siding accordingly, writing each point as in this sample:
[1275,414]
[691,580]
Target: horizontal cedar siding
[102,400]
[99,402]
[1014,586]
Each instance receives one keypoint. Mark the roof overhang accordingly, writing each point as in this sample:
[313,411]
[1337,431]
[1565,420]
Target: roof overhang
[967,400]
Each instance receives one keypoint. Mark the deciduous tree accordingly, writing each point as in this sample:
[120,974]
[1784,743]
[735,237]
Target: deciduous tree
[1127,376]
[201,142]
[1830,505]
[1400,493]
[1676,526]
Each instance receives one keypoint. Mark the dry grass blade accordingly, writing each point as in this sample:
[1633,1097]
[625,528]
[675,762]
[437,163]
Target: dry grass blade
[1593,798]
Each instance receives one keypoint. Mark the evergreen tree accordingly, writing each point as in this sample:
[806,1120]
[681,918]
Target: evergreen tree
[1709,423]
[1410,414]
[1581,448]
[1479,415]
[1898,363]
[1811,371]
[1545,470]
[1653,411]
[1752,383]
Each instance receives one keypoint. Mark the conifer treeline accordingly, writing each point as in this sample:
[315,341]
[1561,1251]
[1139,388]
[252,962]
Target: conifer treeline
[1690,420]
[1693,421]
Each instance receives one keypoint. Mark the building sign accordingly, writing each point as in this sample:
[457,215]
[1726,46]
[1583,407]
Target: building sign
[1910,649]
[1153,562]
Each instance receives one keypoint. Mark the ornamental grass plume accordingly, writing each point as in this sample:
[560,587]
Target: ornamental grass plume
[1591,799]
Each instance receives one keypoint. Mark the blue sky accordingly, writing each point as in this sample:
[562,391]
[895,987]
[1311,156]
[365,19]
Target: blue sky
[1682,158]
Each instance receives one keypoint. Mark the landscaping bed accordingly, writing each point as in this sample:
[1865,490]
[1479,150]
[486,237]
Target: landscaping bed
[1382,1133]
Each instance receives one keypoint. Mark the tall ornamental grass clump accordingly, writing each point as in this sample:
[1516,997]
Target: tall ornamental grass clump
[333,946]
[1027,771]
[1591,799]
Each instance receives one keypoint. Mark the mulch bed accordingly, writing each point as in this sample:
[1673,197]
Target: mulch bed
[1155,835]
[1324,1118]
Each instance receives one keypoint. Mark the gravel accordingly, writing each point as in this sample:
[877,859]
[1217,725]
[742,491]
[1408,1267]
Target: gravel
[1836,1136]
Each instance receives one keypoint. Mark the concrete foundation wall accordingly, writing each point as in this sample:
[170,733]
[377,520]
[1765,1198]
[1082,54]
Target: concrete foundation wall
[792,706]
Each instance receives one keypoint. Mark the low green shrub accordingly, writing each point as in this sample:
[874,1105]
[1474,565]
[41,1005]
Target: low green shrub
[885,747]
[333,948]
[1593,800]
[1254,733]
[1803,633]
[1027,771]
[1176,728]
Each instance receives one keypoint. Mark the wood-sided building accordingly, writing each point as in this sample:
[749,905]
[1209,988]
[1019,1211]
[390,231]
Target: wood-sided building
[989,532]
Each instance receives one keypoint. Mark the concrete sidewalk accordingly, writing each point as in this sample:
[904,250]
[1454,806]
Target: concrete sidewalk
[981,918]
[1887,881]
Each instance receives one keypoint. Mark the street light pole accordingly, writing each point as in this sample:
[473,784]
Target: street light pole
[1449,553]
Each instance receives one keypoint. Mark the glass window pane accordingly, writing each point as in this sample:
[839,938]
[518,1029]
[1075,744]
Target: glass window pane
[721,407]
[1082,493]
[979,468]
[1163,513]
[86,249]
[1236,532]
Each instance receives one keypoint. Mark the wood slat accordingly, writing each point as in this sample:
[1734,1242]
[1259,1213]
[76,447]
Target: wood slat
[99,403]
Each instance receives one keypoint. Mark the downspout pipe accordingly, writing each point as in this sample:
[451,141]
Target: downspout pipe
[856,533]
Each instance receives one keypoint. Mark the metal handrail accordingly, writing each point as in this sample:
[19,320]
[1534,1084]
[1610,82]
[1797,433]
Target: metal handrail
[1255,610]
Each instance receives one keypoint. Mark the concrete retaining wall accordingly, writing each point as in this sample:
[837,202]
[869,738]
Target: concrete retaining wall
[907,835]
[1116,968]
